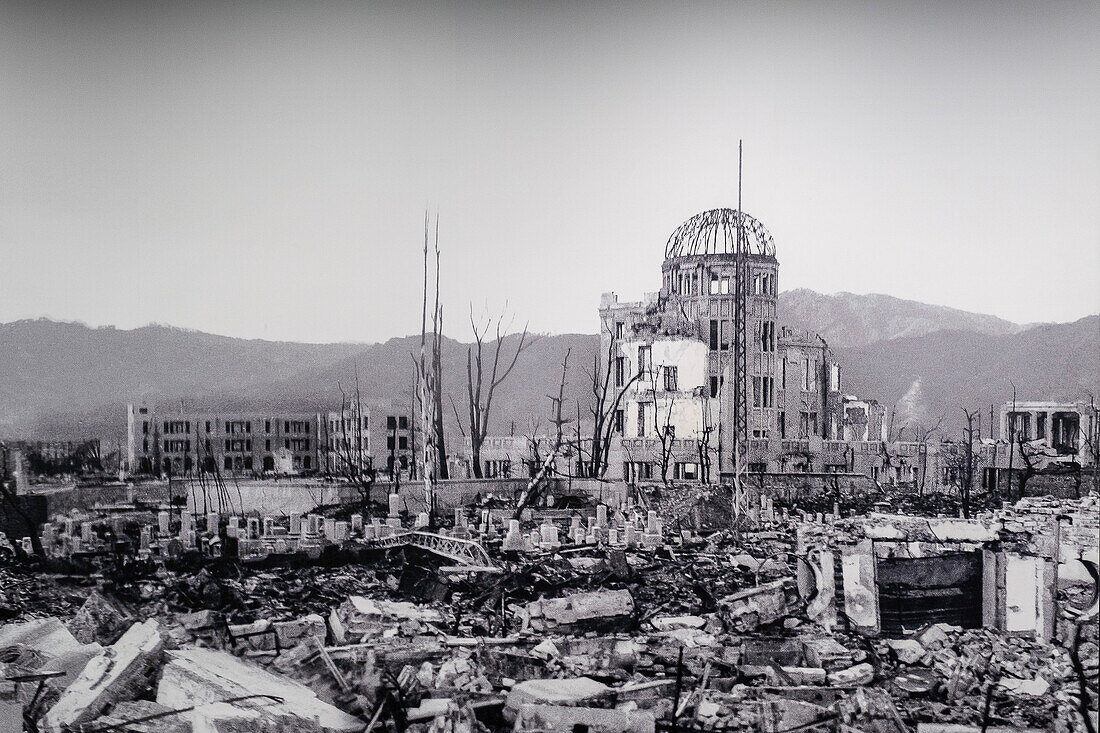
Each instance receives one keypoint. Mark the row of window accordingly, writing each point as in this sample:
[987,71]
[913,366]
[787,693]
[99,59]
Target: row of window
[346,424]
[239,445]
[687,283]
[669,374]
[722,332]
[358,443]
[634,471]
[236,427]
[244,463]
[230,463]
[763,391]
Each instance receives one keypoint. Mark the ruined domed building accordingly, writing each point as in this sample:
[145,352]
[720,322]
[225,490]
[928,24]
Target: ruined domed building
[703,379]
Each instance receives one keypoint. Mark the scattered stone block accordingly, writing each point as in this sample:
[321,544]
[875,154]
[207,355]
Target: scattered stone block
[292,633]
[199,619]
[359,617]
[100,619]
[798,675]
[581,611]
[429,709]
[564,719]
[906,651]
[575,691]
[668,623]
[827,653]
[860,674]
[746,610]
[117,673]
[1036,687]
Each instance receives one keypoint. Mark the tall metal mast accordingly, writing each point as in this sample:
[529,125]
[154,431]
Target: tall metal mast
[740,340]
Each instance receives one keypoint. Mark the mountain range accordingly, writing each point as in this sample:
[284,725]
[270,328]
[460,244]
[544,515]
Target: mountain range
[67,381]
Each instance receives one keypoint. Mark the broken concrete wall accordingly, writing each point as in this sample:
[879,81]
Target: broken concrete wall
[113,675]
[1018,593]
[45,645]
[861,587]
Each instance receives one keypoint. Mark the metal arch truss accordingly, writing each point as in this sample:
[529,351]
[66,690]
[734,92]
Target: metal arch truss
[463,552]
[716,232]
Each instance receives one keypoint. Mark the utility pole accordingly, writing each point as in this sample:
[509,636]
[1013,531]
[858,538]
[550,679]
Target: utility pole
[740,359]
[1011,441]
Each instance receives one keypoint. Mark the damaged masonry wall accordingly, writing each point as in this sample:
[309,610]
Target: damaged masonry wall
[1000,572]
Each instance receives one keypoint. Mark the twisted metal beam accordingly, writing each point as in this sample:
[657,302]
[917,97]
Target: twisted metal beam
[463,552]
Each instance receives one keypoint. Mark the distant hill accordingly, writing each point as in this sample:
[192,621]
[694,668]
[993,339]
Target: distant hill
[846,319]
[940,373]
[69,369]
[66,380]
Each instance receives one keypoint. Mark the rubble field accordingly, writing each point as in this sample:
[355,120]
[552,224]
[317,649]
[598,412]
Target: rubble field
[596,620]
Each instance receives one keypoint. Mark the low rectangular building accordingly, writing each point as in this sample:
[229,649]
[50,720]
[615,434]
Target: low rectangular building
[182,443]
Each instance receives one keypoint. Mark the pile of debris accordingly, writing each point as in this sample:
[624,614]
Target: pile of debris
[712,633]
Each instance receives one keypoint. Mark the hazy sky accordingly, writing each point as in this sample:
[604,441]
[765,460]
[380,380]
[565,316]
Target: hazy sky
[262,170]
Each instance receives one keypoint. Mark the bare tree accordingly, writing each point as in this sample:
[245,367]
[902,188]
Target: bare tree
[922,435]
[1092,444]
[662,422]
[962,464]
[429,383]
[484,374]
[605,406]
[437,372]
[1028,454]
[533,441]
[702,441]
[535,485]
[350,461]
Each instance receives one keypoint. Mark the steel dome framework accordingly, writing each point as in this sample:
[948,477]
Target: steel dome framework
[714,232]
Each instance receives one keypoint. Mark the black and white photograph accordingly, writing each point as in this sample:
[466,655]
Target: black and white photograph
[549,367]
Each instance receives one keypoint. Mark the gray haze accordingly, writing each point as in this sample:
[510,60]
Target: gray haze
[262,170]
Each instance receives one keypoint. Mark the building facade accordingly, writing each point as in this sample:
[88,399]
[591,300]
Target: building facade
[346,443]
[181,443]
[790,386]
[1048,437]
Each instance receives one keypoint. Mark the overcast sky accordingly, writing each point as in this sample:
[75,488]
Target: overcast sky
[262,170]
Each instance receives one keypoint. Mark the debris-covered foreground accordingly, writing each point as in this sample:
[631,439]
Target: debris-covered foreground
[609,623]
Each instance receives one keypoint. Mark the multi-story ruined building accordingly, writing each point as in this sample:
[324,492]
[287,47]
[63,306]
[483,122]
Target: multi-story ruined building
[179,443]
[1066,428]
[1048,439]
[703,361]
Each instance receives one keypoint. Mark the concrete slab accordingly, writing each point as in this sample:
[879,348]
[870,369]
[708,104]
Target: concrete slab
[562,719]
[579,610]
[206,676]
[108,677]
[573,691]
